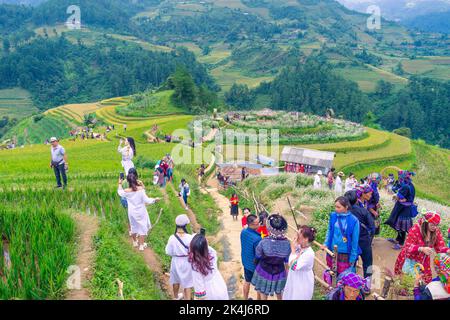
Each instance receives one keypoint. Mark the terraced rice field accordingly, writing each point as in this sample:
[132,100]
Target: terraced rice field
[16,103]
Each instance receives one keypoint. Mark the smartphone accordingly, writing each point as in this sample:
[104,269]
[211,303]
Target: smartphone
[122,176]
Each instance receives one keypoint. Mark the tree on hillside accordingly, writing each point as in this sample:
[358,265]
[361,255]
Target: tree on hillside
[240,96]
[184,87]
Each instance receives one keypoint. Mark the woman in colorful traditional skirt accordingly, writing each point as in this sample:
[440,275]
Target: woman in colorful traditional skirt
[208,282]
[272,255]
[300,281]
[350,286]
[178,248]
[343,231]
[234,205]
[401,218]
[439,287]
[423,239]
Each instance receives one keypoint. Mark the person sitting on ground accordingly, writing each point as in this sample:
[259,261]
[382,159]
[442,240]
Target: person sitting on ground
[423,240]
[300,281]
[343,231]
[439,287]
[208,282]
[137,201]
[246,212]
[250,239]
[272,255]
[180,269]
[350,286]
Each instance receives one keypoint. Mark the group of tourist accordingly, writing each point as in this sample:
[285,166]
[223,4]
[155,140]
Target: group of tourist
[163,171]
[275,265]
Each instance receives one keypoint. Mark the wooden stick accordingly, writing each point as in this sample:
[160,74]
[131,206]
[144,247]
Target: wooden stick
[293,213]
[323,283]
[386,286]
[120,291]
[298,212]
[326,249]
[335,262]
[159,216]
[323,265]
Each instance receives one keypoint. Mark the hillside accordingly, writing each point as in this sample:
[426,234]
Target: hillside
[94,166]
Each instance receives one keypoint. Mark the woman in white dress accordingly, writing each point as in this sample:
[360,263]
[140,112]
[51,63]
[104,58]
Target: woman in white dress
[338,183]
[137,201]
[317,180]
[350,182]
[180,268]
[127,148]
[300,281]
[208,282]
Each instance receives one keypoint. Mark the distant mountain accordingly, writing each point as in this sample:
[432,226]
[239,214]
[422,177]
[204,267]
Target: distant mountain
[399,10]
[432,22]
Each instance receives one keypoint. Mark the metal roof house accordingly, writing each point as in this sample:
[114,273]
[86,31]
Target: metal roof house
[318,160]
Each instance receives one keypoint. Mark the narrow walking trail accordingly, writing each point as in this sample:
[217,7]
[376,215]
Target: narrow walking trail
[229,238]
[87,228]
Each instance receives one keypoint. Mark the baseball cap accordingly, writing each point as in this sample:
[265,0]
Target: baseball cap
[53,139]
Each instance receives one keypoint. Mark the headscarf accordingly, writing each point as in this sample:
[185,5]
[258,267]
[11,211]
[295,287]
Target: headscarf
[353,280]
[442,266]
[405,175]
[277,232]
[432,217]
[362,189]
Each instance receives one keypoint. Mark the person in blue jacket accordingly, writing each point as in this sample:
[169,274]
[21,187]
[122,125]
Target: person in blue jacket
[343,231]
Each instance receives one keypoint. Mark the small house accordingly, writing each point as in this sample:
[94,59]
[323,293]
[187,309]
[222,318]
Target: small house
[312,160]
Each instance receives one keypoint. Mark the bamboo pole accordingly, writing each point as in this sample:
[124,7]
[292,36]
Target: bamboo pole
[335,262]
[323,283]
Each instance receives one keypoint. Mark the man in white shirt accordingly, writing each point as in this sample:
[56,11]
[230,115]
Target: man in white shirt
[59,162]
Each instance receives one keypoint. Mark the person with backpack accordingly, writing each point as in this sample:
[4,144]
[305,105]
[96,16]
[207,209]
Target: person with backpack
[343,231]
[401,218]
[366,231]
[180,269]
[424,239]
[185,192]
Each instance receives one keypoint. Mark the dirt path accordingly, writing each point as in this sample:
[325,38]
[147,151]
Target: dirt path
[229,238]
[87,226]
[154,263]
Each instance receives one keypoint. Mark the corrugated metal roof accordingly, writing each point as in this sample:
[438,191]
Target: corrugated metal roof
[308,156]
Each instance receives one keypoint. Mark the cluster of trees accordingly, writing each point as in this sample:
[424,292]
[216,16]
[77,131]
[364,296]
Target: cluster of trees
[6,123]
[313,87]
[420,110]
[240,96]
[196,99]
[57,71]
[222,24]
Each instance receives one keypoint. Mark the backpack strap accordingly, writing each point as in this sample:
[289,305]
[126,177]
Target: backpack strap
[181,241]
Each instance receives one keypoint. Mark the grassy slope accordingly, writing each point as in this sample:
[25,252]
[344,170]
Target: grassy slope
[16,103]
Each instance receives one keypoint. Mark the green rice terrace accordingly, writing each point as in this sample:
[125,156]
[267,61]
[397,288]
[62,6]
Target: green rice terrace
[45,231]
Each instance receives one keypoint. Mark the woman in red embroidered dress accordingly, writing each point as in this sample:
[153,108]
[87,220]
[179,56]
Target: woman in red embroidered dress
[423,238]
